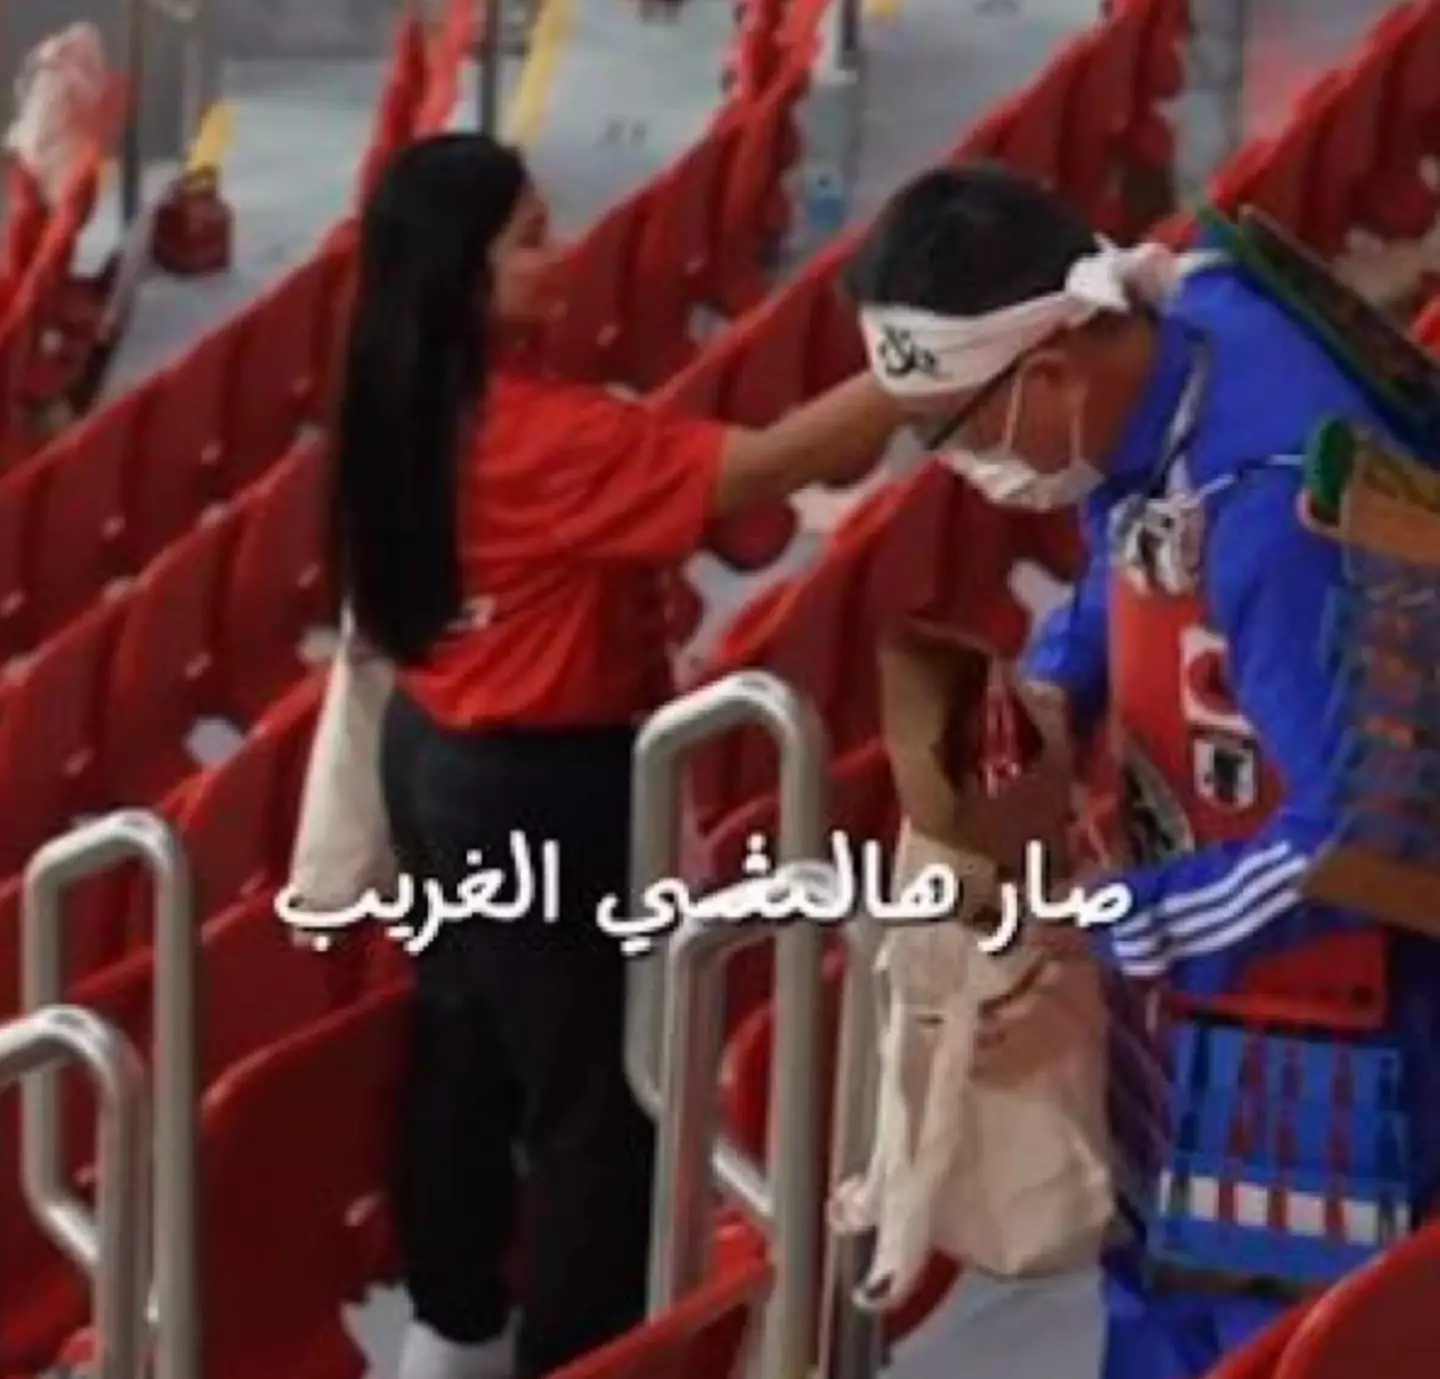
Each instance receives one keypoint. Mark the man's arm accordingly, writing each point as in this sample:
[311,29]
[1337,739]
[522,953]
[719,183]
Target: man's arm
[1070,652]
[1201,918]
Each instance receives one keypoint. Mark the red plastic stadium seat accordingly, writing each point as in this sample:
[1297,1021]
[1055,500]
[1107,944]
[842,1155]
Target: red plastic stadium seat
[676,255]
[19,488]
[275,374]
[1259,1357]
[1382,1319]
[81,538]
[258,989]
[51,730]
[277,587]
[589,340]
[704,1336]
[296,1143]
[163,677]
[764,151]
[182,451]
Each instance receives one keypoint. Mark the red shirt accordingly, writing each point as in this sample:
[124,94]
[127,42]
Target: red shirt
[575,505]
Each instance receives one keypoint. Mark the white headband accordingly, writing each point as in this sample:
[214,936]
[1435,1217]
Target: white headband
[919,354]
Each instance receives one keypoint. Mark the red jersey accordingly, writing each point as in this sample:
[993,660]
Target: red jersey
[575,506]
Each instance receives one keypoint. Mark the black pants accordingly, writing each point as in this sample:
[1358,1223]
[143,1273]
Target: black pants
[519,1043]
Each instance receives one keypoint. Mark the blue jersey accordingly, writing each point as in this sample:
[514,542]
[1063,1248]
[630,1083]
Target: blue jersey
[1266,583]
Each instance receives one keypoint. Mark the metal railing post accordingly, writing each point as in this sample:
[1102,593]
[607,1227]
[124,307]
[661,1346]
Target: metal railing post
[118,1263]
[489,68]
[673,1034]
[191,17]
[95,847]
[132,148]
[842,41]
[851,1340]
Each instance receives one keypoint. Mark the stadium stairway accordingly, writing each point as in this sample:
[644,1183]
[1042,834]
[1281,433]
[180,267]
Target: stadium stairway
[174,644]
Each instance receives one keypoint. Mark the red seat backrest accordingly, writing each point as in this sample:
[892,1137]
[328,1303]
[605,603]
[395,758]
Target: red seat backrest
[295,1137]
[277,587]
[676,254]
[399,108]
[52,729]
[20,488]
[81,532]
[182,451]
[164,672]
[276,372]
[703,1337]
[589,340]
[762,155]
[1383,1319]
[1258,1357]
[228,825]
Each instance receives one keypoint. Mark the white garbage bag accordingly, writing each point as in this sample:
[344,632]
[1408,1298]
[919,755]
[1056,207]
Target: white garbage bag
[59,96]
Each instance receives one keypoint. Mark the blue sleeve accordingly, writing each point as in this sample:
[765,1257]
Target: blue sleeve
[1071,647]
[1199,919]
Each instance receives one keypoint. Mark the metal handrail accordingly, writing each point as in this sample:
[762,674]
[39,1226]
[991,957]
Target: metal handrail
[93,848]
[674,1016]
[851,1340]
[118,1269]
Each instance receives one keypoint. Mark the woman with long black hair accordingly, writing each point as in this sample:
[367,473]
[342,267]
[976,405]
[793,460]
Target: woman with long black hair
[501,539]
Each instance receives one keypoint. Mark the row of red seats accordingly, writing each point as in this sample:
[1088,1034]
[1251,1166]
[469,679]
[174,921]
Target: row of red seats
[182,641]
[184,630]
[262,1079]
[135,477]
[767,33]
[138,473]
[697,235]
[236,821]
[246,801]
[1354,155]
[261,1183]
[103,501]
[102,715]
[50,319]
[418,98]
[48,316]
[1090,124]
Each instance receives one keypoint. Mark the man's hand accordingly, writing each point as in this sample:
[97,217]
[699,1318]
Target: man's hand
[1048,705]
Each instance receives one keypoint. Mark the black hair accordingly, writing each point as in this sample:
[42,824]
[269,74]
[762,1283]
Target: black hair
[414,378]
[967,240]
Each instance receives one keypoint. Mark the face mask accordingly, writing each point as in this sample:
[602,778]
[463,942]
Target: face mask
[1003,478]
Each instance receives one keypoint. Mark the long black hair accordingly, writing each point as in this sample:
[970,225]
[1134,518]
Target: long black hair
[415,374]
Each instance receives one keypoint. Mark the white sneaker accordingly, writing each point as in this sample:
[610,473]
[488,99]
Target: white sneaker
[428,1355]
